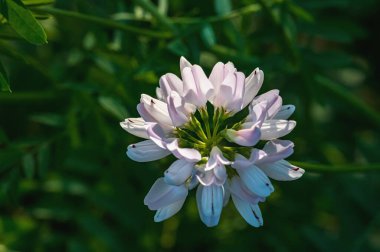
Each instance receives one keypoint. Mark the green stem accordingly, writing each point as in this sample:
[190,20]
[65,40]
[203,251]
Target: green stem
[350,98]
[181,131]
[347,168]
[205,118]
[104,22]
[197,128]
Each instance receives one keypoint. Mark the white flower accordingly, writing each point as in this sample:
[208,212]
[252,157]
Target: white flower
[212,125]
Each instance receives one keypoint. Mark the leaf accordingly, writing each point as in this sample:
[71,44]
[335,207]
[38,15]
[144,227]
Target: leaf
[178,47]
[37,2]
[28,165]
[208,35]
[113,106]
[49,119]
[4,82]
[23,22]
[43,155]
[222,6]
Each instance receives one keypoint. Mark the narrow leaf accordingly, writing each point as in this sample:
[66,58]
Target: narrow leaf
[4,82]
[23,22]
[28,165]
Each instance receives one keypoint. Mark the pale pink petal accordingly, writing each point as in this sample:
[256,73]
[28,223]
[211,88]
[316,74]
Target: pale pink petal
[183,62]
[253,84]
[282,171]
[162,194]
[178,172]
[256,181]
[146,151]
[170,82]
[275,150]
[168,211]
[245,137]
[272,129]
[191,155]
[285,112]
[176,109]
[238,188]
[135,126]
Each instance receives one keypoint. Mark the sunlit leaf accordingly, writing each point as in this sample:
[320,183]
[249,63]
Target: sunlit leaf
[23,22]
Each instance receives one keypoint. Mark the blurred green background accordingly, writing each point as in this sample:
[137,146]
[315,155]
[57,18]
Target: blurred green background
[65,181]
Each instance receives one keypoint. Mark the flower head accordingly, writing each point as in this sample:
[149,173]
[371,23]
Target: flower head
[214,126]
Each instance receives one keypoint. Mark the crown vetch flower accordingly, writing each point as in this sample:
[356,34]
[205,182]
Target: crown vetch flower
[214,126]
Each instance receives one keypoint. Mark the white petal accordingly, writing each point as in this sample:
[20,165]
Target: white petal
[178,172]
[161,194]
[282,171]
[206,178]
[245,137]
[168,211]
[156,109]
[250,213]
[146,151]
[272,129]
[197,87]
[285,112]
[191,155]
[270,97]
[216,157]
[177,110]
[253,84]
[256,181]
[276,106]
[170,82]
[275,150]
[210,203]
[183,62]
[237,103]
[159,94]
[257,113]
[157,135]
[238,189]
[135,126]
[220,174]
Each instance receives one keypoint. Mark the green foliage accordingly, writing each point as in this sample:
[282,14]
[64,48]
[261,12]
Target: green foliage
[65,181]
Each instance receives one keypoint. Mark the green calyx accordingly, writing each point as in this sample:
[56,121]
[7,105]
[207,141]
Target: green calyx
[207,128]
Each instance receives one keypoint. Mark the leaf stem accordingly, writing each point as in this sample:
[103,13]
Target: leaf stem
[344,168]
[105,22]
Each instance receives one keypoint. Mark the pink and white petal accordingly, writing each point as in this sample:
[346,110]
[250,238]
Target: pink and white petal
[170,82]
[157,135]
[161,194]
[206,178]
[253,84]
[216,157]
[237,102]
[168,211]
[220,174]
[245,137]
[285,112]
[282,171]
[256,181]
[242,162]
[270,97]
[156,109]
[176,109]
[250,213]
[210,204]
[178,172]
[146,151]
[204,85]
[275,150]
[135,126]
[238,188]
[217,75]
[272,129]
[190,155]
[159,94]
[183,62]
[190,90]
[276,106]
[257,113]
